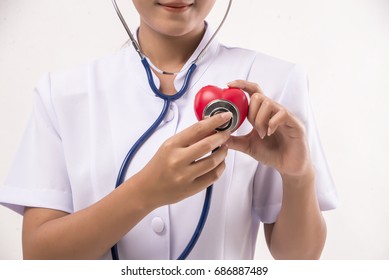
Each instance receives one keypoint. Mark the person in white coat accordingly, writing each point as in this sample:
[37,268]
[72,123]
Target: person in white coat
[272,170]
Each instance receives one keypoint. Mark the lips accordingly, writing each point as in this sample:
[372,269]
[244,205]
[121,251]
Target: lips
[176,6]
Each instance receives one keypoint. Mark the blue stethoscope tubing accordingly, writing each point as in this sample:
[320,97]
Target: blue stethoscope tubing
[131,153]
[167,101]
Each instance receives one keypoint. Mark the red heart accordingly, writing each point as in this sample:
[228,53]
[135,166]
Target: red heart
[231,99]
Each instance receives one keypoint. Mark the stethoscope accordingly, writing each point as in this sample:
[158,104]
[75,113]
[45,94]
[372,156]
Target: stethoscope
[146,135]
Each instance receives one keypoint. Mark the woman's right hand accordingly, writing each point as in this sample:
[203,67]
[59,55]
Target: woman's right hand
[184,164]
[174,173]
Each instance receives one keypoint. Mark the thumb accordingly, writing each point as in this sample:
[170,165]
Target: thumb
[238,143]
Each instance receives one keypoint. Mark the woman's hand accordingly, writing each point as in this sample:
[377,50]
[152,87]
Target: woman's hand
[278,137]
[278,140]
[183,165]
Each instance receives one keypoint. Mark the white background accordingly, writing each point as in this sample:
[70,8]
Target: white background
[344,44]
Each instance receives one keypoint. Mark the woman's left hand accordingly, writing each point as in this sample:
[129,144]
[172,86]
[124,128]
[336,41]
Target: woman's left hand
[277,138]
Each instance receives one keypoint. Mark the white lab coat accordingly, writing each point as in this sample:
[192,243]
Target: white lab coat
[85,120]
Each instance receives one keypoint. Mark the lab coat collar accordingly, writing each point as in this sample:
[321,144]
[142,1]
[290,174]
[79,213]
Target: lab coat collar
[207,36]
[202,63]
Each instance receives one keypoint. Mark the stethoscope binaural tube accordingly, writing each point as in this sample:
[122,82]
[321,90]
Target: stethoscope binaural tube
[138,49]
[167,100]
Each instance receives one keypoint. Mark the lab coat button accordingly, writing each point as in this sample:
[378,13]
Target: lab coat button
[157,225]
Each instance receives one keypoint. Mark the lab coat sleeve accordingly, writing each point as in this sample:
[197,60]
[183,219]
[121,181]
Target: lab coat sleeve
[267,193]
[38,175]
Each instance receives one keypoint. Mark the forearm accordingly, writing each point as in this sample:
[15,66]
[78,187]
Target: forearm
[300,230]
[173,174]
[88,233]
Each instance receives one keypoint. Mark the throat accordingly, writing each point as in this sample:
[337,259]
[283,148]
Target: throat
[170,56]
[166,83]
[168,53]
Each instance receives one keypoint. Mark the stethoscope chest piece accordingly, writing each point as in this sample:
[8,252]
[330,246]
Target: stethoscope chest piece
[211,100]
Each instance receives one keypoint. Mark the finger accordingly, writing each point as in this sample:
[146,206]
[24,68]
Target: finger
[265,113]
[255,103]
[247,86]
[206,145]
[278,119]
[209,178]
[207,164]
[239,143]
[294,128]
[202,129]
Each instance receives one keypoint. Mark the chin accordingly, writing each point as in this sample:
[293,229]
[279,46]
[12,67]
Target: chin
[178,29]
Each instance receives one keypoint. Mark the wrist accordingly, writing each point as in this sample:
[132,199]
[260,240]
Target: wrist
[305,178]
[145,202]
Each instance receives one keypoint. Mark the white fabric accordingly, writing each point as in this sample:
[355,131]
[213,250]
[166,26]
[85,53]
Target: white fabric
[85,120]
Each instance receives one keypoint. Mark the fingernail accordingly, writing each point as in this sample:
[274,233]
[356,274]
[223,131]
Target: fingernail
[226,116]
[269,132]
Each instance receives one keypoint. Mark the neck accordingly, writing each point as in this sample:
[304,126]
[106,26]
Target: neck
[169,53]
